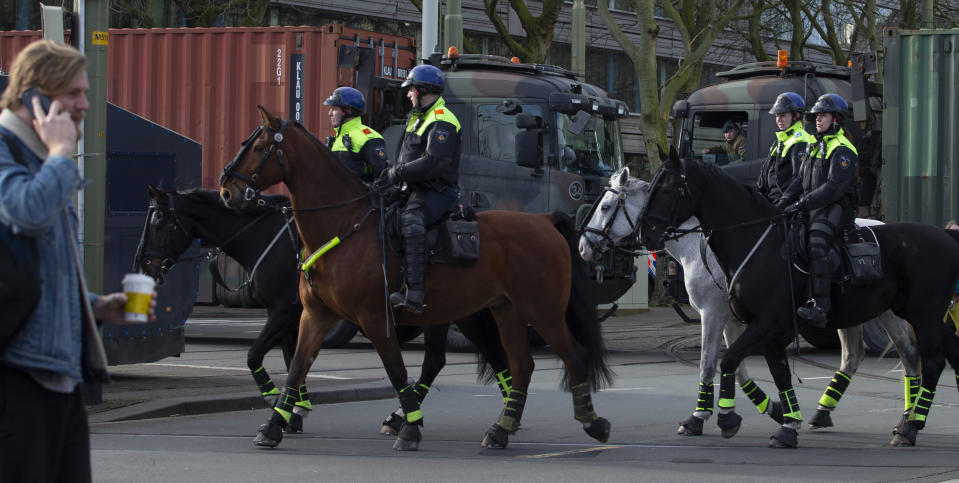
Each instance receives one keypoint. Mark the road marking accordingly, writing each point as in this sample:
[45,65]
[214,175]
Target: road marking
[241,369]
[819,377]
[627,389]
[565,453]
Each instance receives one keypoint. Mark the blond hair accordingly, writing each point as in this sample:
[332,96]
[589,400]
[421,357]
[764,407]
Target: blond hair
[47,65]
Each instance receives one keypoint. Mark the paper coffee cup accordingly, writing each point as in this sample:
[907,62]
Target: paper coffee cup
[139,290]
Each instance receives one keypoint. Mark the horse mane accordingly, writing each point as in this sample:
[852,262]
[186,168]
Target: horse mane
[212,198]
[727,184]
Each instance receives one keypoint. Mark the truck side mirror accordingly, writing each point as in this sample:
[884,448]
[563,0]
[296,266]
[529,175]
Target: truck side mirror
[681,109]
[528,142]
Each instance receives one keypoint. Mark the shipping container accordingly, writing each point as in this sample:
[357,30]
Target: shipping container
[920,139]
[205,83]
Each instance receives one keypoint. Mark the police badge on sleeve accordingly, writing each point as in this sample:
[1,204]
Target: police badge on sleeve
[844,162]
[441,135]
[380,152]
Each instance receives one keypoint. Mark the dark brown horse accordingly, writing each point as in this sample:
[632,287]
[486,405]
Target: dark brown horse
[526,274]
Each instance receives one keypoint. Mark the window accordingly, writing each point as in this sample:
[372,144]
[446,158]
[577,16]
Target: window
[496,131]
[594,151]
[710,144]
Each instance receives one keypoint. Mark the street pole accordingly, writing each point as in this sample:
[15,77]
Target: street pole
[93,38]
[578,63]
[453,31]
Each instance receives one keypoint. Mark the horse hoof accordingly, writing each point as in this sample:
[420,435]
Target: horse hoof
[822,419]
[392,424]
[408,438]
[296,424]
[905,434]
[784,438]
[729,424]
[776,412]
[691,426]
[496,437]
[599,429]
[269,435]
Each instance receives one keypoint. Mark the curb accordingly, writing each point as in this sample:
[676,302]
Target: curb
[182,406]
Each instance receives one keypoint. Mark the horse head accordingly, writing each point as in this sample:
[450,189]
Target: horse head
[251,171]
[670,202]
[164,237]
[615,217]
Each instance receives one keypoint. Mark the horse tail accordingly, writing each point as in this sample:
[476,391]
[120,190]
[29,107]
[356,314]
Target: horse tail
[490,356]
[581,317]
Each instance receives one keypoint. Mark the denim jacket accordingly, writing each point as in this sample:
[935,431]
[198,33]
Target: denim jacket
[56,346]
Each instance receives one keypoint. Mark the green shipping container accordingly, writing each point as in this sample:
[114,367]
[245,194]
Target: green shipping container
[920,136]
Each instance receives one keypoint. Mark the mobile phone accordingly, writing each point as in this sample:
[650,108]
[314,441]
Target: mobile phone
[27,100]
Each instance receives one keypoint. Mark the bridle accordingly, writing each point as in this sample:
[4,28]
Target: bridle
[604,233]
[252,190]
[669,222]
[144,255]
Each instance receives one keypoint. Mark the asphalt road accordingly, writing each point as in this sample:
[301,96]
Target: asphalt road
[654,389]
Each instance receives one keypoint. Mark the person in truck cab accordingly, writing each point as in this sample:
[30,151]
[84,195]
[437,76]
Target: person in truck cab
[788,152]
[733,149]
[428,165]
[357,146]
[825,189]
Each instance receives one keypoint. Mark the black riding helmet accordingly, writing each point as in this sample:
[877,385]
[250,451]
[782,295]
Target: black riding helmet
[833,103]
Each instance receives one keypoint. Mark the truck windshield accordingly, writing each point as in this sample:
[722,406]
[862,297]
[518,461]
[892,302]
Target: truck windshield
[595,151]
[709,141]
[496,131]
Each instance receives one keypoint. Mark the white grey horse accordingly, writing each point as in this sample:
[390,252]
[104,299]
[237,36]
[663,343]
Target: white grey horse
[615,219]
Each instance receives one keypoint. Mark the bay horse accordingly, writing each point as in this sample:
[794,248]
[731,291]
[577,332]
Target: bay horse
[614,224]
[265,242]
[920,264]
[525,274]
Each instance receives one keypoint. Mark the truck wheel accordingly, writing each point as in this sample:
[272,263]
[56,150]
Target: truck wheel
[824,339]
[340,334]
[876,339]
[456,341]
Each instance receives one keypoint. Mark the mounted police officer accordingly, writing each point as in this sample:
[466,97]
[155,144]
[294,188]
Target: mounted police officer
[826,190]
[787,154]
[429,165]
[358,147]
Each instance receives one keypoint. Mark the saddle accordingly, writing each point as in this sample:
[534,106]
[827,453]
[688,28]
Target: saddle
[452,240]
[854,256]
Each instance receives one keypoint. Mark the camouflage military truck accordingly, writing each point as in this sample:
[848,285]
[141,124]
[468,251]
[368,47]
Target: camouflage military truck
[745,97]
[534,139]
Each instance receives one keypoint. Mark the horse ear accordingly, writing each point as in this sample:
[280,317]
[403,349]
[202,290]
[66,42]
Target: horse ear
[673,154]
[662,154]
[622,178]
[154,192]
[672,160]
[268,120]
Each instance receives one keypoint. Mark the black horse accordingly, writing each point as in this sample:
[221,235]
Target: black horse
[265,243]
[920,264]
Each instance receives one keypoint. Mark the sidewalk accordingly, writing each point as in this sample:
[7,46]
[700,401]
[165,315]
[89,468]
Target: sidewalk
[216,380]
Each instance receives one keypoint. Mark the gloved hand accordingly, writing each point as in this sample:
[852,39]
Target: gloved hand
[393,175]
[381,185]
[793,209]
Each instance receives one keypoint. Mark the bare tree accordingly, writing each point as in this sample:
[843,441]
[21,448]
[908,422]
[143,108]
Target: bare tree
[699,24]
[539,30]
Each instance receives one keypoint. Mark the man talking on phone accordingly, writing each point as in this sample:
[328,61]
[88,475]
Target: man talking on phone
[43,425]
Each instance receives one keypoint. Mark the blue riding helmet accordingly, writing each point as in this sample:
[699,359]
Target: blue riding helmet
[833,103]
[788,102]
[426,77]
[347,98]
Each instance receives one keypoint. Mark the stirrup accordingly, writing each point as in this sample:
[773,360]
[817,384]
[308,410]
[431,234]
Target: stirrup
[401,300]
[812,313]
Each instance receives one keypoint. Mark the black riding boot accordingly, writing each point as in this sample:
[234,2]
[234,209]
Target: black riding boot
[816,308]
[411,297]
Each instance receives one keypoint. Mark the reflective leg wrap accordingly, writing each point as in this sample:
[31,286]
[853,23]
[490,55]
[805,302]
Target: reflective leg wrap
[911,388]
[582,404]
[705,401]
[303,406]
[263,381]
[838,386]
[727,392]
[512,413]
[411,405]
[790,405]
[505,382]
[421,390]
[756,395]
[286,402]
[923,403]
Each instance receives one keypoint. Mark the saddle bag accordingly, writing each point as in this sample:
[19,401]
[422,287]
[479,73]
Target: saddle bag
[462,239]
[865,264]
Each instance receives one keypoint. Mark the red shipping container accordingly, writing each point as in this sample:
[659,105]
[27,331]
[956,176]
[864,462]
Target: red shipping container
[205,83]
